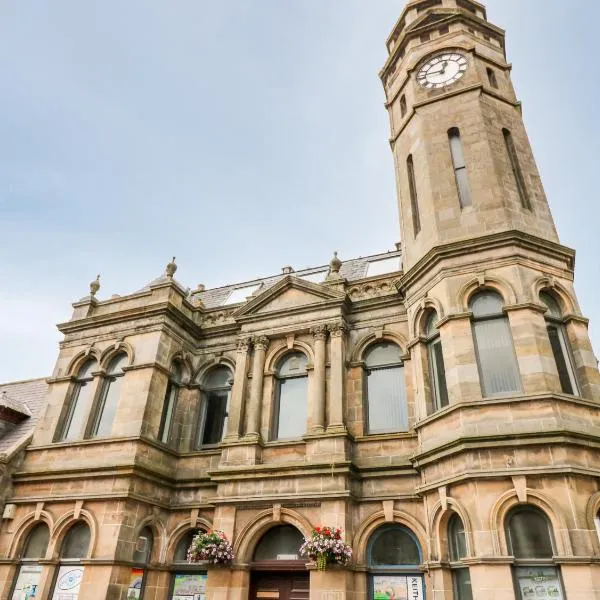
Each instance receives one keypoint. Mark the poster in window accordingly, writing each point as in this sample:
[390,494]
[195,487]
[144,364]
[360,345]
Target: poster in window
[189,586]
[28,583]
[398,587]
[136,579]
[539,583]
[68,583]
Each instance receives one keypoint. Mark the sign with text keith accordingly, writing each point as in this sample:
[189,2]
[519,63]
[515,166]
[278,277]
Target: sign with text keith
[398,587]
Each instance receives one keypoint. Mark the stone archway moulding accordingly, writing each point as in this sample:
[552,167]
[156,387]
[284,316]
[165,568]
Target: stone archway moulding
[24,526]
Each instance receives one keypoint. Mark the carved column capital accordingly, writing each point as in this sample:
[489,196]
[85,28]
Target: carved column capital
[243,344]
[261,342]
[319,332]
[337,329]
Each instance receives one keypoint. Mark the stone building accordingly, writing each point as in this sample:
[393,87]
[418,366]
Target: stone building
[439,403]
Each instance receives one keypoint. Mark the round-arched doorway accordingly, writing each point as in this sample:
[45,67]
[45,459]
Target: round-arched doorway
[278,572]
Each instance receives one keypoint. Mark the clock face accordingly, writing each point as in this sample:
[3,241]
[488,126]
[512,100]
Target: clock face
[442,70]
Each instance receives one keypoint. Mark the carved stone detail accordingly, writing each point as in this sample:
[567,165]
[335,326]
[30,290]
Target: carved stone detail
[337,329]
[261,342]
[319,332]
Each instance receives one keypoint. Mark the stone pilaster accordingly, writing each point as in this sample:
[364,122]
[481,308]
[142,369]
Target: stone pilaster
[319,399]
[238,391]
[337,331]
[261,343]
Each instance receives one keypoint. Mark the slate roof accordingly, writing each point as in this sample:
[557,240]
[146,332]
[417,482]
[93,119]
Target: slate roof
[29,396]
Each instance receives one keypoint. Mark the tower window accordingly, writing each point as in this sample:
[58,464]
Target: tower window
[170,404]
[291,402]
[425,37]
[79,402]
[516,168]
[460,167]
[414,201]
[437,371]
[111,391]
[216,393]
[492,78]
[494,346]
[444,30]
[403,107]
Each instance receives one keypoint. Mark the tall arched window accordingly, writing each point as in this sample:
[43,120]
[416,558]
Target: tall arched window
[394,558]
[516,168]
[29,574]
[281,543]
[141,557]
[492,78]
[291,397]
[187,580]
[560,345]
[437,372]
[74,549]
[111,390]
[498,368]
[386,407]
[216,391]
[170,404]
[79,402]
[457,545]
[412,189]
[460,167]
[403,108]
[530,540]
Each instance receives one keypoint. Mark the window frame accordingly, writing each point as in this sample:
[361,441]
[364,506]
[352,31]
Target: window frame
[29,562]
[433,338]
[492,79]
[205,391]
[414,196]
[109,379]
[457,565]
[278,379]
[517,172]
[73,399]
[465,198]
[171,401]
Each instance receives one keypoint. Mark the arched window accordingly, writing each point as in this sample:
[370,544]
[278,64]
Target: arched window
[403,108]
[530,540]
[460,167]
[412,189]
[516,168]
[492,78]
[597,523]
[279,543]
[498,368]
[386,406]
[560,345]
[79,402]
[394,557]
[30,571]
[437,372]
[216,391]
[111,390]
[170,404]
[291,402]
[142,553]
[187,580]
[457,545]
[73,550]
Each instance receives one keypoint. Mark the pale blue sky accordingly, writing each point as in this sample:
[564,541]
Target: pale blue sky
[241,136]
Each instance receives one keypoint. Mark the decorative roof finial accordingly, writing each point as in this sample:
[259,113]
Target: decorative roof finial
[171,268]
[336,264]
[95,286]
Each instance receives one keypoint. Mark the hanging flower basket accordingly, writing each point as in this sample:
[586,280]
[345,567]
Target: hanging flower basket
[325,546]
[212,547]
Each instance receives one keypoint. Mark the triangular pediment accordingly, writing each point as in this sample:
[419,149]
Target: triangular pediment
[431,18]
[288,294]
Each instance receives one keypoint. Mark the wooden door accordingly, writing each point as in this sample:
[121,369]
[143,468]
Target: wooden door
[293,585]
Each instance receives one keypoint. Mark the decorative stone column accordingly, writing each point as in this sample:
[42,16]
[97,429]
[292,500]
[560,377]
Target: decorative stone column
[337,375]
[238,391]
[318,417]
[261,343]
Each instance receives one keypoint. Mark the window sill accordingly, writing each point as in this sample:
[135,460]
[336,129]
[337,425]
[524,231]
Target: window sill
[375,437]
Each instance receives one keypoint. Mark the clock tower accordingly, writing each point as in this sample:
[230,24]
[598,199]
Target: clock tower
[464,165]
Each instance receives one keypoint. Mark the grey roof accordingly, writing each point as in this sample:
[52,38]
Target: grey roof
[30,396]
[351,270]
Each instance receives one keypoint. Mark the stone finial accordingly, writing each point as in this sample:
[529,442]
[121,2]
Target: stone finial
[95,286]
[335,264]
[171,268]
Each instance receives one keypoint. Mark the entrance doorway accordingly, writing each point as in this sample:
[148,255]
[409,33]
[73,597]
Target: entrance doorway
[288,585]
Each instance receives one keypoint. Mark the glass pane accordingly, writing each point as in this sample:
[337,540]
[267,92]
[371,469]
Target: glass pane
[386,397]
[279,543]
[168,412]
[293,409]
[109,407]
[80,405]
[553,306]
[292,364]
[438,373]
[539,582]
[464,191]
[382,354]
[462,584]
[87,369]
[184,543]
[37,542]
[497,361]
[456,147]
[117,364]
[394,546]
[143,546]
[457,538]
[216,413]
[218,377]
[564,368]
[485,304]
[76,542]
[529,535]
